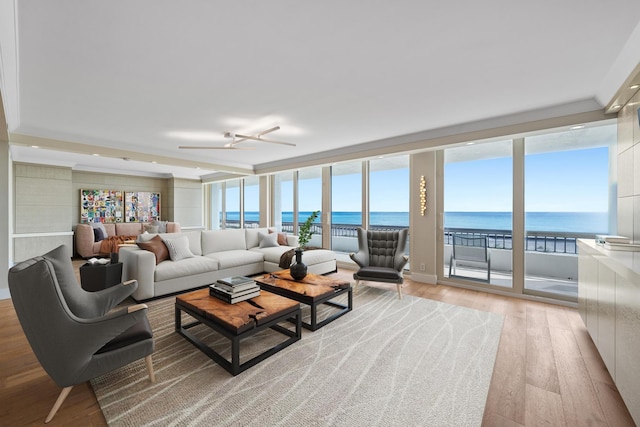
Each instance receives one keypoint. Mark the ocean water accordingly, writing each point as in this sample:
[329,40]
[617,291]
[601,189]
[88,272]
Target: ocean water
[576,222]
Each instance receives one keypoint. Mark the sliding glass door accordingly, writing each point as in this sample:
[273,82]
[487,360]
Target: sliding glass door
[478,203]
[310,200]
[389,194]
[251,205]
[346,206]
[566,198]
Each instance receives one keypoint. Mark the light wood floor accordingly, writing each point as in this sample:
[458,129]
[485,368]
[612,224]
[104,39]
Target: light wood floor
[547,369]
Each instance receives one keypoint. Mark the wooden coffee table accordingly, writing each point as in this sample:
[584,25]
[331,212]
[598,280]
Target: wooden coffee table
[314,290]
[236,322]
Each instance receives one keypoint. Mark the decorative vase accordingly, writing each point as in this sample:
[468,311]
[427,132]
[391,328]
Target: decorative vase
[298,269]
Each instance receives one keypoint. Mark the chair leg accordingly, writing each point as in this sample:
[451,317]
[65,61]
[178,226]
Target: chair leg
[399,285]
[149,362]
[355,287]
[61,397]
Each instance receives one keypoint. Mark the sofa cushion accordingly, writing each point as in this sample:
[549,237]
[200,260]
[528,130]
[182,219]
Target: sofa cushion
[236,258]
[178,248]
[186,267]
[268,240]
[111,229]
[309,257]
[253,236]
[193,236]
[128,228]
[223,240]
[272,254]
[282,238]
[157,246]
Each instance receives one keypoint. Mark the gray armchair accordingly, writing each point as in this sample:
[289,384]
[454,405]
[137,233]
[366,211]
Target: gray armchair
[71,348]
[381,257]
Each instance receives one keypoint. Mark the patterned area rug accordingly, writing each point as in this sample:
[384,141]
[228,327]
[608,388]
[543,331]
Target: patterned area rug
[389,362]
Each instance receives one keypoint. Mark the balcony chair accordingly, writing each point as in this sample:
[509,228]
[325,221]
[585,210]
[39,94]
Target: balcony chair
[381,257]
[471,250]
[74,348]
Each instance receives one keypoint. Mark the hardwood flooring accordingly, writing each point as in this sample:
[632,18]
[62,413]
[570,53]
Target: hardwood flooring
[547,370]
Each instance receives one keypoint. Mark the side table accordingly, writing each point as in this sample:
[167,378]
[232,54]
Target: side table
[95,277]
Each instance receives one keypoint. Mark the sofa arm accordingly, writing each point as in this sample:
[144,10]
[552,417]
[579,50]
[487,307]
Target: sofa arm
[84,240]
[173,227]
[140,265]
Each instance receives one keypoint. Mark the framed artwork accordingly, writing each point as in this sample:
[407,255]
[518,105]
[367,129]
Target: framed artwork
[101,206]
[142,206]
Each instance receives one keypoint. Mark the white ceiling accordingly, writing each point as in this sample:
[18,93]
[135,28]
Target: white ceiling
[137,77]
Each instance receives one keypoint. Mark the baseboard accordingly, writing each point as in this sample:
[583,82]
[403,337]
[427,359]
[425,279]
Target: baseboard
[431,279]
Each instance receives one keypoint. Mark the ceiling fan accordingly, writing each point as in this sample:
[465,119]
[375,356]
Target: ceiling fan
[238,138]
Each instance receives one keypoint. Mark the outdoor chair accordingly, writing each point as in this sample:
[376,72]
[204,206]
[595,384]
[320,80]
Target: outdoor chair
[74,348]
[381,256]
[470,250]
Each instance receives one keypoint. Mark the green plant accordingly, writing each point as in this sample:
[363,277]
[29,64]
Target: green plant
[304,234]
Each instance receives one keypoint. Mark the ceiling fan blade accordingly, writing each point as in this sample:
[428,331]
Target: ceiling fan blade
[192,147]
[255,138]
[264,132]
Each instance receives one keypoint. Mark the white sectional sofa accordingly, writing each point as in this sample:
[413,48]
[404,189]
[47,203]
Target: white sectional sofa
[216,254]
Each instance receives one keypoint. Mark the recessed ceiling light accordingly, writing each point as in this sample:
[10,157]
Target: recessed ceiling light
[576,127]
[35,146]
[96,154]
[470,143]
[636,86]
[154,162]
[615,107]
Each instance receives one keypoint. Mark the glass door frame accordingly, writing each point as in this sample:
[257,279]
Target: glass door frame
[517,226]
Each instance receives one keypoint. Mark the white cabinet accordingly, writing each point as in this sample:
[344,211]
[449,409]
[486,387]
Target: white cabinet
[609,303]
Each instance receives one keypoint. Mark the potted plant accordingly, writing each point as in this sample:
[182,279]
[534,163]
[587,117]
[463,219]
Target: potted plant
[304,235]
[298,269]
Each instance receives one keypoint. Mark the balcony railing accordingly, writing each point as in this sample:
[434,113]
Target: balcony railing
[535,241]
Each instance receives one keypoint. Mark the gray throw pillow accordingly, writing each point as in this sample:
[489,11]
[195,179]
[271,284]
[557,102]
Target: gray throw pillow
[162,226]
[153,229]
[178,248]
[99,232]
[268,240]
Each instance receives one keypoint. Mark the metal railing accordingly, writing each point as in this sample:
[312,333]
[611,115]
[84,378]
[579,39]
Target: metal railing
[535,241]
[337,230]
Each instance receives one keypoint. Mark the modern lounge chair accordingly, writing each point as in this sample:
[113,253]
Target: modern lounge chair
[75,348]
[381,256]
[471,250]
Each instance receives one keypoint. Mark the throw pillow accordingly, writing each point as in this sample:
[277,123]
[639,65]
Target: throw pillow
[178,248]
[151,229]
[268,240]
[99,232]
[282,238]
[157,246]
[162,226]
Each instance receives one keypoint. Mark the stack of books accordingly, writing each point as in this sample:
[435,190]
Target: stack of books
[234,289]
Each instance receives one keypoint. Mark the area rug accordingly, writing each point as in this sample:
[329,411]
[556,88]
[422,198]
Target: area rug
[389,362]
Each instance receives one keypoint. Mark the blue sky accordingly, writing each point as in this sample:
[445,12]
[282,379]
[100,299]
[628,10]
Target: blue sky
[562,181]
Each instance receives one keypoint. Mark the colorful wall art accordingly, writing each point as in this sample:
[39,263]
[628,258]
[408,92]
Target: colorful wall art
[142,206]
[118,206]
[101,206]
